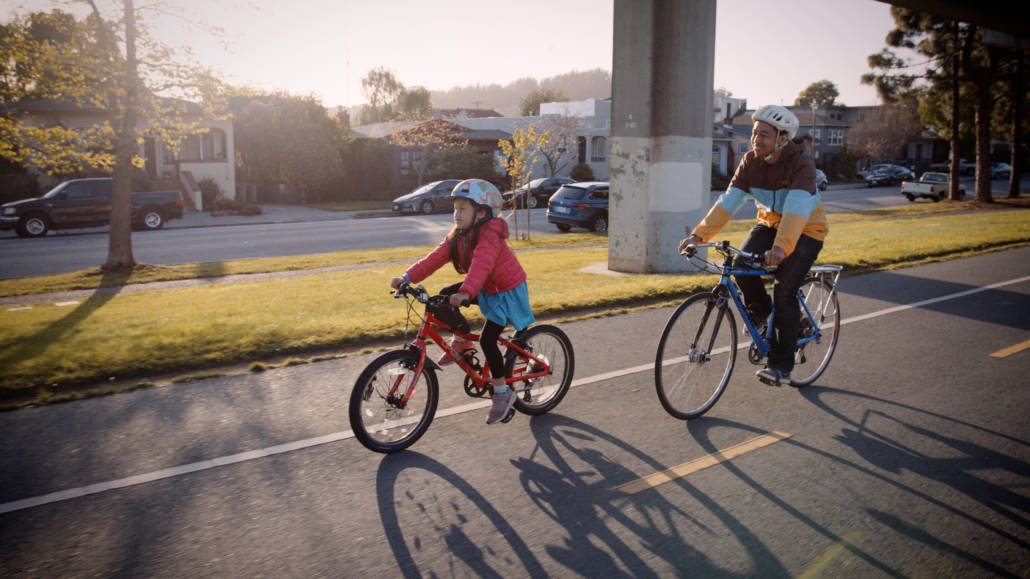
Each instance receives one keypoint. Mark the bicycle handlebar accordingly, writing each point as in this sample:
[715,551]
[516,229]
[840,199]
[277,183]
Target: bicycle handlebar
[420,294]
[724,247]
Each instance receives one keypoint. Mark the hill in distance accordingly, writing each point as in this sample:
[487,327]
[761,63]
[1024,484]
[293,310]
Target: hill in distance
[596,83]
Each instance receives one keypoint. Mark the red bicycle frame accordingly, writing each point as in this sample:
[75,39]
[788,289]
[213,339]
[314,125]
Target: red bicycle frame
[428,329]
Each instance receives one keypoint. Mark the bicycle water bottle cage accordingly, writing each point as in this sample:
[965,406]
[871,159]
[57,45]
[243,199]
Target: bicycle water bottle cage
[449,315]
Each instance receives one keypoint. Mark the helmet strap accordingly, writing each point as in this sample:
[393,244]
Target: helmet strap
[777,147]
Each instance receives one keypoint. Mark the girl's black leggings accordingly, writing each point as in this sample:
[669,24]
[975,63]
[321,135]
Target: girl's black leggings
[487,338]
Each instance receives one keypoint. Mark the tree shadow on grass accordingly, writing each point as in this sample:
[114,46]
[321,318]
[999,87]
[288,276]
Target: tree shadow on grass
[36,345]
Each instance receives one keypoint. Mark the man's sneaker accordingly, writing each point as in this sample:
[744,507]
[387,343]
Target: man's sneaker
[459,345]
[502,402]
[773,377]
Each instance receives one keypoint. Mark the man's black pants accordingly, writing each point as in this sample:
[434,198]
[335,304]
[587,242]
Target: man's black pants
[789,277]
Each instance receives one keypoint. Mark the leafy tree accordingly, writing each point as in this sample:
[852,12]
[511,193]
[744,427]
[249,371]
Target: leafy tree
[288,140]
[105,63]
[521,153]
[822,92]
[464,163]
[530,105]
[959,63]
[425,139]
[382,90]
[414,104]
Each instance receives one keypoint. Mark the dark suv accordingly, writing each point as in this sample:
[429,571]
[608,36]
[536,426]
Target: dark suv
[580,204]
[542,190]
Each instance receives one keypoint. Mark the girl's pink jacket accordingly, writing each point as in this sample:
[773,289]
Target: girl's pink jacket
[494,266]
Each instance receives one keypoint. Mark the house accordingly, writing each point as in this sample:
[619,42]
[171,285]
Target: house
[406,160]
[206,154]
[590,127]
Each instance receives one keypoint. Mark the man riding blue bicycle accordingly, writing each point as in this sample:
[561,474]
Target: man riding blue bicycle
[779,176]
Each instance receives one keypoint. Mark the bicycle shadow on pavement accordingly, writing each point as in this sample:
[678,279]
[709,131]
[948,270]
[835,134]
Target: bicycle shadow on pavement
[574,483]
[453,527]
[925,451]
[1007,308]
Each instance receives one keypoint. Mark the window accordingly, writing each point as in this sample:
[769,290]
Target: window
[209,146]
[598,148]
[836,137]
[405,162]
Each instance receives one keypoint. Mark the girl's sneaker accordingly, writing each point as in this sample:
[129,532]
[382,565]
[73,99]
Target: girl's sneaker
[459,345]
[502,402]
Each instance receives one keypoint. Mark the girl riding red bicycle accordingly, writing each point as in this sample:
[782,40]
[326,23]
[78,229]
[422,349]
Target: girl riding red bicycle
[494,279]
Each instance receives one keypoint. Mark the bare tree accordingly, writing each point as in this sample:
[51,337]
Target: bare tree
[561,149]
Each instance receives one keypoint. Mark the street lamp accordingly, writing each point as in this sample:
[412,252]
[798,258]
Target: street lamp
[815,152]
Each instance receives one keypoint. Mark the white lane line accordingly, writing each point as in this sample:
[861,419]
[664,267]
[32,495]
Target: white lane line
[345,434]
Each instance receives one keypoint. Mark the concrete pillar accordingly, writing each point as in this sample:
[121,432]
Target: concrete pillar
[661,132]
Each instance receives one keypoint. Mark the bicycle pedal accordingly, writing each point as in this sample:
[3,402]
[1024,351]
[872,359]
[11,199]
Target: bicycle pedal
[509,415]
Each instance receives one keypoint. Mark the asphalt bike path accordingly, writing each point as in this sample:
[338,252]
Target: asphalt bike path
[909,456]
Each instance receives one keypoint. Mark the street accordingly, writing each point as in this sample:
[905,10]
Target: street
[909,457]
[75,250]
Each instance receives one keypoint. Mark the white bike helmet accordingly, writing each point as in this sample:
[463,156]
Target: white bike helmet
[780,118]
[479,192]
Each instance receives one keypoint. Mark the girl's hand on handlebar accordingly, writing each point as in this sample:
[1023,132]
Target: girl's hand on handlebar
[396,282]
[459,299]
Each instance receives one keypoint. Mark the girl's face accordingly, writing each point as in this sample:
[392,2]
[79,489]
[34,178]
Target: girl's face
[464,213]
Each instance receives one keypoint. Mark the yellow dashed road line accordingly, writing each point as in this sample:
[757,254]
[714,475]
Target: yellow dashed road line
[658,478]
[1006,352]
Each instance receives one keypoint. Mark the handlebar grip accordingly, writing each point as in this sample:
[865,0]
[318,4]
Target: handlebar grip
[689,251]
[465,303]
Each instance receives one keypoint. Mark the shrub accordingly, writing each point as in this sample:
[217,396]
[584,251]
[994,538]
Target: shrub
[582,172]
[209,192]
[719,181]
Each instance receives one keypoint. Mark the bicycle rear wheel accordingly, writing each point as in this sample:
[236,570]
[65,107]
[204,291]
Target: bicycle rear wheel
[696,356]
[551,345]
[812,357]
[377,417]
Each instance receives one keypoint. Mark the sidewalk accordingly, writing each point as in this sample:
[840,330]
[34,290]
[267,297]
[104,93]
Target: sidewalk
[269,214]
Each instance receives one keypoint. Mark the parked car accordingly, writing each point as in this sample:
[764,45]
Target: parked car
[821,182]
[889,176]
[430,198]
[582,204]
[542,190]
[872,169]
[1000,170]
[80,203]
[932,185]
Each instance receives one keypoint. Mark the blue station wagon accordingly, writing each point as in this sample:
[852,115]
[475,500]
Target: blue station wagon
[581,205]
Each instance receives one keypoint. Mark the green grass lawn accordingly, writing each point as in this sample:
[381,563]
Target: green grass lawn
[143,334]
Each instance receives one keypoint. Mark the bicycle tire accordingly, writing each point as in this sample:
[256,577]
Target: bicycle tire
[813,357]
[544,393]
[696,355]
[376,421]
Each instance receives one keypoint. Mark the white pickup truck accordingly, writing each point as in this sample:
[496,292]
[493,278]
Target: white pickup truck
[932,186]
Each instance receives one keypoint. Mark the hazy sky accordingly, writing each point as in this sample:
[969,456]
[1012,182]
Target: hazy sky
[766,51]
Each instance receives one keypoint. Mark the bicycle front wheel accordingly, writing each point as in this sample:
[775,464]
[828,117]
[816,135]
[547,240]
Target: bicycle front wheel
[379,418]
[551,346]
[696,356]
[819,311]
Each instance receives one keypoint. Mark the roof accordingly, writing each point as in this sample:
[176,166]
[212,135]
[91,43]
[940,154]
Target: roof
[464,113]
[390,128]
